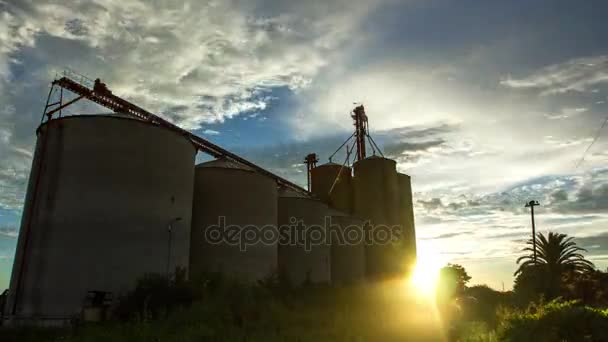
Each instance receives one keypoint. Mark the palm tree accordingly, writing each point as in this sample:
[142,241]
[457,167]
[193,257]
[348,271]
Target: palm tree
[556,254]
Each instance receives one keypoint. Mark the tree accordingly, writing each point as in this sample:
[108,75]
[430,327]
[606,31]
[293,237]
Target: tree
[453,279]
[556,255]
[591,288]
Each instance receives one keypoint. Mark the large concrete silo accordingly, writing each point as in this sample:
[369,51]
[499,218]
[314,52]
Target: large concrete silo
[406,219]
[102,195]
[295,262]
[376,198]
[235,199]
[329,175]
[348,251]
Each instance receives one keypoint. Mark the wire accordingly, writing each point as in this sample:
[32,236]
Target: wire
[348,152]
[339,148]
[373,143]
[597,136]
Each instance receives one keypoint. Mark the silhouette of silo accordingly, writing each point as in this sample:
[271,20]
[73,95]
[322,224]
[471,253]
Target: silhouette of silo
[376,198]
[323,179]
[102,194]
[347,256]
[295,262]
[247,201]
[406,219]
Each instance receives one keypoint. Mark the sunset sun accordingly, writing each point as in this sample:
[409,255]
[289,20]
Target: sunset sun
[425,275]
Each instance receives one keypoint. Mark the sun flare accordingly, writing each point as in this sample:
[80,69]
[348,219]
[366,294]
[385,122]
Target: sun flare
[425,275]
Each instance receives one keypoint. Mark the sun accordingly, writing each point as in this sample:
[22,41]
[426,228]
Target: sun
[425,275]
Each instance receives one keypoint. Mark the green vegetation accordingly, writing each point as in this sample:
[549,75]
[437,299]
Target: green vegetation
[555,321]
[225,310]
[557,255]
[568,305]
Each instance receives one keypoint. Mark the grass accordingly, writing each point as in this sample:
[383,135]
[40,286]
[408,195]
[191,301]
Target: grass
[382,312]
[364,313]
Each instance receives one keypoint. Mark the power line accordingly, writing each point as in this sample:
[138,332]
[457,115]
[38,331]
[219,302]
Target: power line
[597,136]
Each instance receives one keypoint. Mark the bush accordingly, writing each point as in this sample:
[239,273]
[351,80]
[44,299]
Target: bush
[484,304]
[154,297]
[555,321]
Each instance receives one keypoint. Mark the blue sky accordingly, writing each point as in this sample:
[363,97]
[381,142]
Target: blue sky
[486,104]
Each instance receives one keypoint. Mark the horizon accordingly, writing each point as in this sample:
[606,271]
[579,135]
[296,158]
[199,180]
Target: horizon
[486,105]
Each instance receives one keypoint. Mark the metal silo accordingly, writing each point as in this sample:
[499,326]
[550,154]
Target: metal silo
[235,199]
[406,218]
[109,199]
[329,175]
[299,265]
[376,198]
[347,255]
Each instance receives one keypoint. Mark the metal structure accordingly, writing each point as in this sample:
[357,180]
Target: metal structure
[531,205]
[295,262]
[348,258]
[102,191]
[406,220]
[311,161]
[375,191]
[238,203]
[376,198]
[331,183]
[362,133]
[361,125]
[99,93]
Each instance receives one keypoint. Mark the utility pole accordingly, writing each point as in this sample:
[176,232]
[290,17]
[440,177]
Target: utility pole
[531,205]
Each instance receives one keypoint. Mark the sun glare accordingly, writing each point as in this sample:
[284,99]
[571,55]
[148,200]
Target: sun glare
[425,275]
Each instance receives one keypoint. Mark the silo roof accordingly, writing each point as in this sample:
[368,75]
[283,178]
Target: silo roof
[292,194]
[225,163]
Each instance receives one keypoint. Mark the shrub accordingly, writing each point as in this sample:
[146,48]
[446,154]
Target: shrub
[154,297]
[484,304]
[555,321]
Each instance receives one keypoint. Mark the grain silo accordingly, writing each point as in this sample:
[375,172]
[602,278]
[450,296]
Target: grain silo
[347,251]
[376,198]
[109,199]
[236,199]
[295,262]
[331,183]
[406,219]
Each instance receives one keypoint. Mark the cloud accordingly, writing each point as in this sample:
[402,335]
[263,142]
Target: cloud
[191,61]
[396,94]
[9,232]
[566,113]
[559,195]
[589,199]
[432,204]
[210,132]
[401,148]
[576,75]
[15,162]
[449,235]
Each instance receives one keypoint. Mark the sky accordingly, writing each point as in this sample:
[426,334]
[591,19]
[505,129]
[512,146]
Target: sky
[486,104]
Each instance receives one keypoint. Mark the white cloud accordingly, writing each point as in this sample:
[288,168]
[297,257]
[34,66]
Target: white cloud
[193,61]
[566,113]
[395,94]
[9,232]
[211,132]
[580,74]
